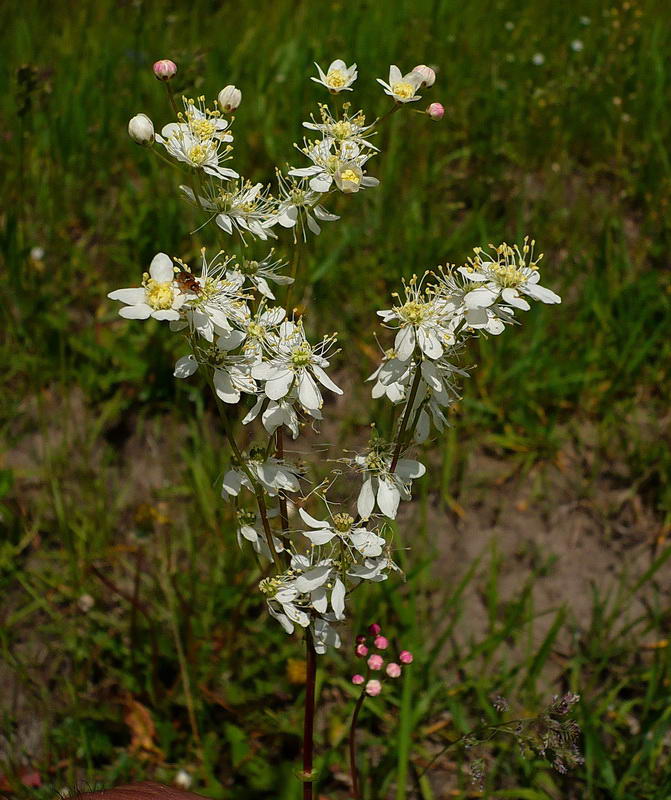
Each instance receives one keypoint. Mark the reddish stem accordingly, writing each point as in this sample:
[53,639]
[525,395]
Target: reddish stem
[352,746]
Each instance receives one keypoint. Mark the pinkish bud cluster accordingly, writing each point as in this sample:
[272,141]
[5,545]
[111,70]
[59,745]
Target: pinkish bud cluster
[376,662]
[164,69]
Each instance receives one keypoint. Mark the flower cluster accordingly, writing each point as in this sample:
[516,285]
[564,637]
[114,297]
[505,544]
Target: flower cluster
[375,661]
[254,352]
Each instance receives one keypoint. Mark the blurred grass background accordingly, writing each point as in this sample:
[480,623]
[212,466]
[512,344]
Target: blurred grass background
[557,125]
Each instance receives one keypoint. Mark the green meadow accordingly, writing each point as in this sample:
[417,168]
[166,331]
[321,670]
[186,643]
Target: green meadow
[133,641]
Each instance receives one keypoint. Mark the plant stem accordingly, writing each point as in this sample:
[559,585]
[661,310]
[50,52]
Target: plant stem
[406,417]
[352,745]
[309,717]
[284,513]
[171,98]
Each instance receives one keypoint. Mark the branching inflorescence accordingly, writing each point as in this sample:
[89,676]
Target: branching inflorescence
[256,352]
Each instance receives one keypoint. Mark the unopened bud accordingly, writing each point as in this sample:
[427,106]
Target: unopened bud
[229,98]
[381,642]
[405,657]
[357,680]
[375,662]
[393,670]
[183,779]
[428,75]
[361,650]
[141,129]
[164,69]
[436,111]
[373,688]
[374,628]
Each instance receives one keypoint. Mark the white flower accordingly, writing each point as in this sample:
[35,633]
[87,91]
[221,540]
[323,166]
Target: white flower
[214,299]
[242,208]
[198,138]
[258,273]
[158,297]
[342,526]
[231,374]
[421,321]
[324,634]
[250,529]
[391,378]
[141,129]
[300,205]
[229,98]
[275,414]
[261,330]
[295,363]
[346,129]
[403,88]
[538,59]
[273,475]
[332,161]
[372,569]
[383,487]
[577,45]
[503,276]
[338,78]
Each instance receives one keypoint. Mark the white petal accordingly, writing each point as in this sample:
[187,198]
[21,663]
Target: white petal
[338,599]
[366,501]
[480,298]
[405,343]
[224,387]
[185,366]
[142,311]
[320,600]
[311,521]
[131,297]
[324,379]
[161,269]
[408,469]
[388,498]
[541,293]
[313,578]
[279,386]
[308,393]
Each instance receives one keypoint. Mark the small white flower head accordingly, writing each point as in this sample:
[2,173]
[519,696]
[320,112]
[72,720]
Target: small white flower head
[165,69]
[343,529]
[259,273]
[214,299]
[347,128]
[428,75]
[299,206]
[229,99]
[200,139]
[335,162]
[577,45]
[504,276]
[250,529]
[392,378]
[381,486]
[272,474]
[158,297]
[240,207]
[421,321]
[338,78]
[141,129]
[402,88]
[294,364]
[538,59]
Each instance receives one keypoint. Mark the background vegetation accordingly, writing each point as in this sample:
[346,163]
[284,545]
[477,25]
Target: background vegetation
[123,591]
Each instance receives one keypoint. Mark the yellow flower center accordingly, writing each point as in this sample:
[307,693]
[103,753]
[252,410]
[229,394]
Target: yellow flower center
[350,176]
[159,294]
[374,461]
[403,89]
[202,128]
[413,312]
[198,154]
[301,355]
[341,129]
[336,79]
[255,331]
[332,163]
[343,522]
[508,276]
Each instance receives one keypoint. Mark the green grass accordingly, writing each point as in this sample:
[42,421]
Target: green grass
[111,469]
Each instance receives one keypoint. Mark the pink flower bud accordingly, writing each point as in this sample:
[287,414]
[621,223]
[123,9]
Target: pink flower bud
[375,662]
[361,650]
[436,111]
[375,629]
[373,688]
[361,639]
[357,680]
[165,69]
[393,670]
[381,642]
[405,657]
[428,75]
